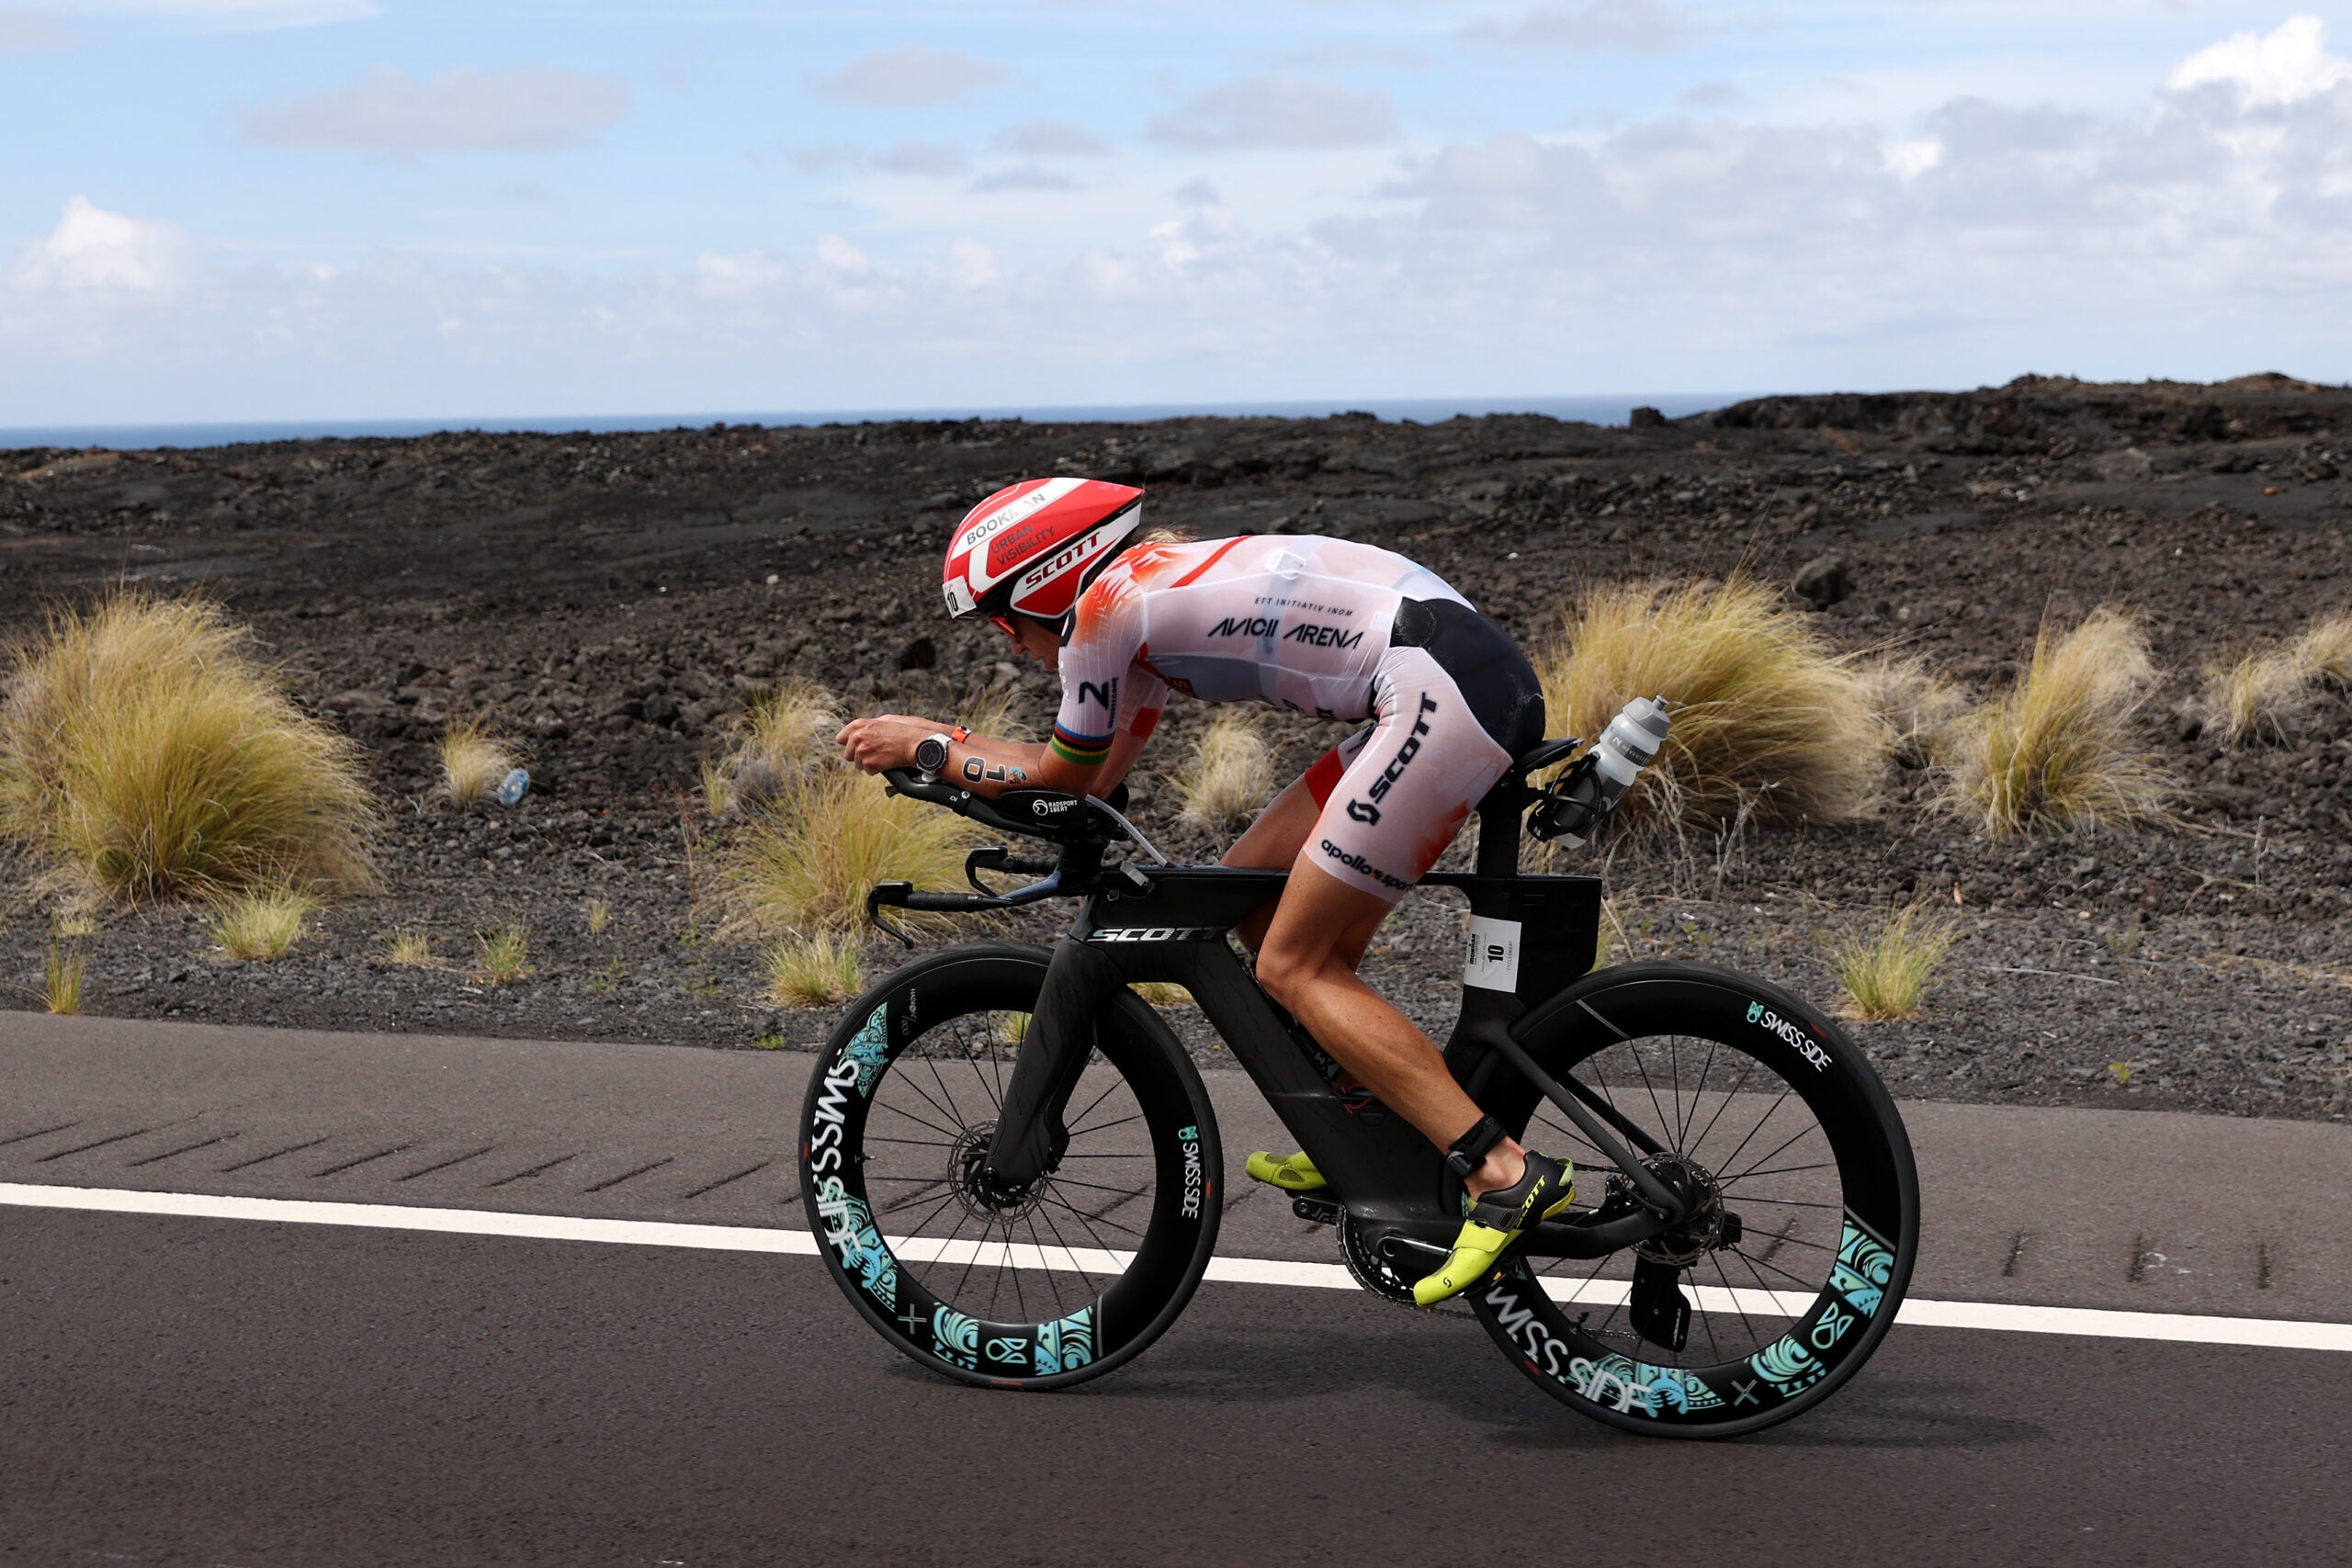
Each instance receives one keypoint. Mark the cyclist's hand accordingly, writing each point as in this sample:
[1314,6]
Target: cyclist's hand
[887,740]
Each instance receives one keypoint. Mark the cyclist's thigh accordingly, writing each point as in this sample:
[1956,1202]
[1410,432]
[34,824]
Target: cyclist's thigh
[1409,788]
[1272,841]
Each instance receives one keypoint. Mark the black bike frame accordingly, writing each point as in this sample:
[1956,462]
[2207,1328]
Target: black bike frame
[1173,923]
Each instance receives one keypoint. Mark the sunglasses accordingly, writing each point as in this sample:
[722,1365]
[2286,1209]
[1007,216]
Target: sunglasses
[1004,624]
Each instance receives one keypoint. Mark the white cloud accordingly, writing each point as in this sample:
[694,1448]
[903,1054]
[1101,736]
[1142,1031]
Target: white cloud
[740,274]
[2188,231]
[2284,66]
[1580,25]
[24,31]
[1049,139]
[911,75]
[527,108]
[1911,159]
[95,253]
[1277,112]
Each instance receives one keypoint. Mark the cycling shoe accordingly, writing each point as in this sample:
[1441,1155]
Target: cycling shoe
[1496,1221]
[1293,1173]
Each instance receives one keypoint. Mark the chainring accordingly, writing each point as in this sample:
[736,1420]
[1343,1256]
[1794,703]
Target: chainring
[1371,1270]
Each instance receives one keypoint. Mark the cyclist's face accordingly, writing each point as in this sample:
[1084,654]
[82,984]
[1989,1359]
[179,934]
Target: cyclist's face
[1032,638]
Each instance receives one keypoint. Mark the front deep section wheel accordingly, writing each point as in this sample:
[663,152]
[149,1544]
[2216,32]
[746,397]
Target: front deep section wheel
[1803,1204]
[1037,1286]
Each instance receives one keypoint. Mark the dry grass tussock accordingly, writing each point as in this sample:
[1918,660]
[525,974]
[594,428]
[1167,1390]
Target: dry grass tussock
[2061,748]
[805,859]
[1886,967]
[2327,647]
[62,970]
[819,971]
[811,848]
[778,735]
[1229,774]
[2257,697]
[409,950]
[474,758]
[503,953]
[260,925]
[1767,717]
[146,751]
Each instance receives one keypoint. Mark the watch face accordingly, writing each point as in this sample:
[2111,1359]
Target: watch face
[931,754]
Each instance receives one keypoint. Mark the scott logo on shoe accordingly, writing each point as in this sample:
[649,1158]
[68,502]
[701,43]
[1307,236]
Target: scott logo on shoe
[1793,1034]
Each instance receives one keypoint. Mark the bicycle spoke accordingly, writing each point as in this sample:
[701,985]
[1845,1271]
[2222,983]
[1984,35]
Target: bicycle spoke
[1769,1110]
[1774,1155]
[1681,1136]
[961,1125]
[1753,1263]
[1089,1221]
[1691,1148]
[1642,1068]
[996,1100]
[1107,1091]
[1781,1171]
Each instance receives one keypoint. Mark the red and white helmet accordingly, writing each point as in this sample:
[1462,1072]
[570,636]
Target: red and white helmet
[1034,545]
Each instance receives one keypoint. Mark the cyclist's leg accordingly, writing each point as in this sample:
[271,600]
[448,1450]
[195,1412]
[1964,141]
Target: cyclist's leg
[1389,802]
[1273,841]
[1309,960]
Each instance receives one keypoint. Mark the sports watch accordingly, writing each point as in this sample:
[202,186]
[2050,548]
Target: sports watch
[931,751]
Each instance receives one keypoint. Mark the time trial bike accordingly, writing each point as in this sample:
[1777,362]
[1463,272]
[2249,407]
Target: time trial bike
[1015,1172]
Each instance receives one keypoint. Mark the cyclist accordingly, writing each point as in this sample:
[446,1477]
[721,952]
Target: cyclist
[1323,625]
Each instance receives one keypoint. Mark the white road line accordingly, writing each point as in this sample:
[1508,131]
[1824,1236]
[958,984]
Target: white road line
[2284,1334]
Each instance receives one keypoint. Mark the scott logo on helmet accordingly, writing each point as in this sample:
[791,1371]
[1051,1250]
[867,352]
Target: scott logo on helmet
[1361,811]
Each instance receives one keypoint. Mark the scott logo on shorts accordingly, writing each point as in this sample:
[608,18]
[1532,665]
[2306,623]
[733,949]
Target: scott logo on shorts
[1793,1035]
[1364,811]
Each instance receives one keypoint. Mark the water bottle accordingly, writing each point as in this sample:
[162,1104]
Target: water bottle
[1630,744]
[514,786]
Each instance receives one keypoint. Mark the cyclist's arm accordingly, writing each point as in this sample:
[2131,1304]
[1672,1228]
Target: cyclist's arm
[978,763]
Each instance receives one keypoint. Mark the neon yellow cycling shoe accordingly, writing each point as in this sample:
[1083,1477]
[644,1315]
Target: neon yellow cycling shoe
[1498,1219]
[1291,1173]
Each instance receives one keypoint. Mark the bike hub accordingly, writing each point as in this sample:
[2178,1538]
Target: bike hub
[1707,1224]
[981,1194]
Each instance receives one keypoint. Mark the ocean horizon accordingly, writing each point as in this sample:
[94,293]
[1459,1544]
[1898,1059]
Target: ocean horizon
[1613,408]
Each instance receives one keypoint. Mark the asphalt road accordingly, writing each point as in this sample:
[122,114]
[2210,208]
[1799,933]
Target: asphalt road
[249,1394]
[225,1392]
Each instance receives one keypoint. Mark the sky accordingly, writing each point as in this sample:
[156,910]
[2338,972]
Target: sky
[286,209]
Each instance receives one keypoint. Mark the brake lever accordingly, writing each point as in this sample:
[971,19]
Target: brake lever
[874,899]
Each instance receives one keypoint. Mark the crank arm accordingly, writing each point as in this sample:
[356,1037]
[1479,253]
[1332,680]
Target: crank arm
[1554,1238]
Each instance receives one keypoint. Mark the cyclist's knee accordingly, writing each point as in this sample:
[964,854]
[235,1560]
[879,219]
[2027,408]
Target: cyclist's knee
[1287,974]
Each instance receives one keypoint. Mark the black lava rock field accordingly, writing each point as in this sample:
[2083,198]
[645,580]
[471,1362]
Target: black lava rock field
[614,599]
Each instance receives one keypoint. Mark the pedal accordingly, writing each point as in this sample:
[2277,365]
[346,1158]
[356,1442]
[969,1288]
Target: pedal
[1316,1211]
[1657,1309]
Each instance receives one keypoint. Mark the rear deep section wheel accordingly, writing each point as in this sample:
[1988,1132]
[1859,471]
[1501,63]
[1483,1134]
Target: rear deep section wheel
[1805,1208]
[1036,1286]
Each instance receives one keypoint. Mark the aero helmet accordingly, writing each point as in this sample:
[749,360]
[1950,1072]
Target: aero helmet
[1034,545]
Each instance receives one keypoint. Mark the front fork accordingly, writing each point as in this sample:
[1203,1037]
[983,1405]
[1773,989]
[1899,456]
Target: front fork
[1030,1135]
